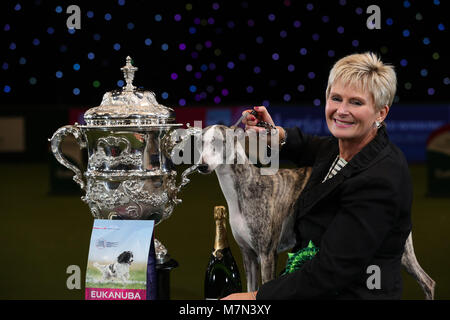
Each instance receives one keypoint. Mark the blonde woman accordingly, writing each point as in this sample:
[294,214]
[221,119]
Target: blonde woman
[355,213]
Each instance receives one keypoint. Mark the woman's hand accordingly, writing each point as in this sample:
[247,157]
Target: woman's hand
[241,296]
[250,121]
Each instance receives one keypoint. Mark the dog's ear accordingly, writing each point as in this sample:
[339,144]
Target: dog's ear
[123,257]
[120,257]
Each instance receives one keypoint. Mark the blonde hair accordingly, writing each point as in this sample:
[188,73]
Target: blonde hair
[366,71]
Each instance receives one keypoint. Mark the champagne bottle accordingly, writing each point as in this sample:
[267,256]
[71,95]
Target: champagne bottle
[222,275]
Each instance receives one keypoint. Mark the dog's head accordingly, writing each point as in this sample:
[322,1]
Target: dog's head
[125,257]
[213,145]
[219,146]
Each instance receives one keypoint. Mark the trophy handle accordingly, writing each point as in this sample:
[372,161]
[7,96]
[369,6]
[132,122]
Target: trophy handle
[173,142]
[184,179]
[56,140]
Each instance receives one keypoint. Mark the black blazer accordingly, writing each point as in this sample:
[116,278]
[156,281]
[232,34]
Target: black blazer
[358,218]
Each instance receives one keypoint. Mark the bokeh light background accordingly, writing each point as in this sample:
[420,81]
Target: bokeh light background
[215,52]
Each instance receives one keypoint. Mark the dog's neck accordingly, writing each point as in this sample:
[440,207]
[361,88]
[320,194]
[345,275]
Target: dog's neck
[242,168]
[239,172]
[231,175]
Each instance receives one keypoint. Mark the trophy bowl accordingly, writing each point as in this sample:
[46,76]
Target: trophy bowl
[129,139]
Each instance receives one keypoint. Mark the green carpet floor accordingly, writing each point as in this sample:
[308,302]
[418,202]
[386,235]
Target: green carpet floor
[41,235]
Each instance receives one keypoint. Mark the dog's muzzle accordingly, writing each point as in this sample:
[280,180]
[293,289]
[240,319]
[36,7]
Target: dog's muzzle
[203,168]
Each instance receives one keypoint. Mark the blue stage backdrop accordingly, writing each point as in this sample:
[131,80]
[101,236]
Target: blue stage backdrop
[409,126]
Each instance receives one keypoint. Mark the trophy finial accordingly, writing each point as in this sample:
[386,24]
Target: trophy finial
[128,74]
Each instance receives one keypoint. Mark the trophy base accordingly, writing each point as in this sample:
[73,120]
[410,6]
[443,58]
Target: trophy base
[163,278]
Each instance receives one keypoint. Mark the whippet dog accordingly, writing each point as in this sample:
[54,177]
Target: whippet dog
[261,209]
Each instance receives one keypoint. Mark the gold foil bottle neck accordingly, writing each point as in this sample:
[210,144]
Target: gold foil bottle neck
[220,241]
[220,213]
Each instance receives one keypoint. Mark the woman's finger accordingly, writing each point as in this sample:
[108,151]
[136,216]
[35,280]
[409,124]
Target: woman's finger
[249,118]
[263,114]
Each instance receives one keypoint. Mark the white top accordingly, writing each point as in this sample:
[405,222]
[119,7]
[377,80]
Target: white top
[337,165]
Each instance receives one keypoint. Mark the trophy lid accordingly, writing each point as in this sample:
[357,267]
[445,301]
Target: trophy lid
[129,106]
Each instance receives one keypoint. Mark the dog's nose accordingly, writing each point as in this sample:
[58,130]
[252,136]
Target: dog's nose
[203,168]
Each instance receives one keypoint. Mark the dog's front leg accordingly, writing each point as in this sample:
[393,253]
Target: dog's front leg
[251,268]
[268,266]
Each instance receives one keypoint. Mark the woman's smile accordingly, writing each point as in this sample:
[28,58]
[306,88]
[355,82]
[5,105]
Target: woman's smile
[342,123]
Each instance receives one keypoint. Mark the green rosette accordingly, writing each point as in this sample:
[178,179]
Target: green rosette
[296,260]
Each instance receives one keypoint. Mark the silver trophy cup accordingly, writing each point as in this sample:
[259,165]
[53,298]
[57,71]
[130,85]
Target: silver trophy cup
[129,139]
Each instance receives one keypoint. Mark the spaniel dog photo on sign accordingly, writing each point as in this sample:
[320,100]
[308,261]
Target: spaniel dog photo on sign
[118,260]
[119,270]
